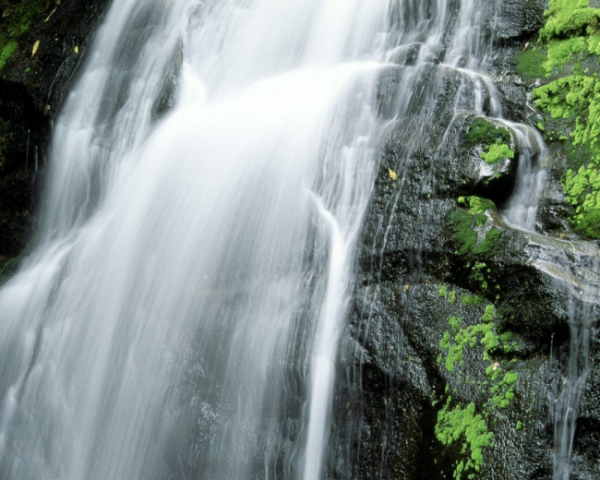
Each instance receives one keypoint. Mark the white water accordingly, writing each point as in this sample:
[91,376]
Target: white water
[181,314]
[184,304]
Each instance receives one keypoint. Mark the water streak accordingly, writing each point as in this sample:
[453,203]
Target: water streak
[181,313]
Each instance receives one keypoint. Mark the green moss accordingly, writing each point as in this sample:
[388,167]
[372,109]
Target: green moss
[561,52]
[463,226]
[494,140]
[582,189]
[497,152]
[568,18]
[464,423]
[7,51]
[464,234]
[459,423]
[571,33]
[25,14]
[470,300]
[530,64]
[443,291]
[482,132]
[477,205]
[491,243]
[452,297]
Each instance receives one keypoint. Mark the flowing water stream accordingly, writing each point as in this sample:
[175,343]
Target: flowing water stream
[180,315]
[209,176]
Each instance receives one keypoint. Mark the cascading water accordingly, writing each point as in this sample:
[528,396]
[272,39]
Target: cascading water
[439,49]
[180,317]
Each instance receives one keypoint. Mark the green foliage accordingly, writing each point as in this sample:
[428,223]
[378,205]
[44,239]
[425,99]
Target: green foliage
[470,300]
[482,132]
[493,138]
[497,152]
[452,297]
[7,52]
[530,64]
[463,232]
[582,189]
[463,226]
[456,423]
[477,205]
[567,18]
[575,98]
[561,52]
[14,27]
[23,17]
[455,341]
[571,33]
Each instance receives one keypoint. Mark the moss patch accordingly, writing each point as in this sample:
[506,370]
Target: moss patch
[497,152]
[472,424]
[572,34]
[465,225]
[494,140]
[482,132]
[530,63]
[12,28]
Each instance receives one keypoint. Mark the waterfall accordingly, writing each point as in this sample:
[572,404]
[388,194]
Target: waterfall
[209,176]
[181,313]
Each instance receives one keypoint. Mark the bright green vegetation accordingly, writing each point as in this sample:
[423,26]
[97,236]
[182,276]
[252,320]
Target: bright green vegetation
[582,189]
[561,52]
[530,63]
[568,18]
[482,132]
[477,205]
[497,152]
[464,225]
[470,300]
[15,26]
[451,297]
[455,341]
[457,422]
[494,139]
[572,35]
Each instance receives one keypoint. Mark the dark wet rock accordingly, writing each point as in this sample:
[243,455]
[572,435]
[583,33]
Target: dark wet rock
[520,18]
[64,33]
[391,383]
[166,99]
[32,89]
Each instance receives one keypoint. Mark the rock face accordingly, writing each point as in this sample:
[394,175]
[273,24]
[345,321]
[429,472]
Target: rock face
[437,264]
[33,86]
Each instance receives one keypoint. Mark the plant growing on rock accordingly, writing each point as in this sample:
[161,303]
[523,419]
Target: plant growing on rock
[570,35]
[471,424]
[494,140]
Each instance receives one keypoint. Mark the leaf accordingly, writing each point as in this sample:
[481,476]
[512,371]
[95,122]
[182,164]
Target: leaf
[76,50]
[36,45]
[393,175]
[51,13]
[7,12]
